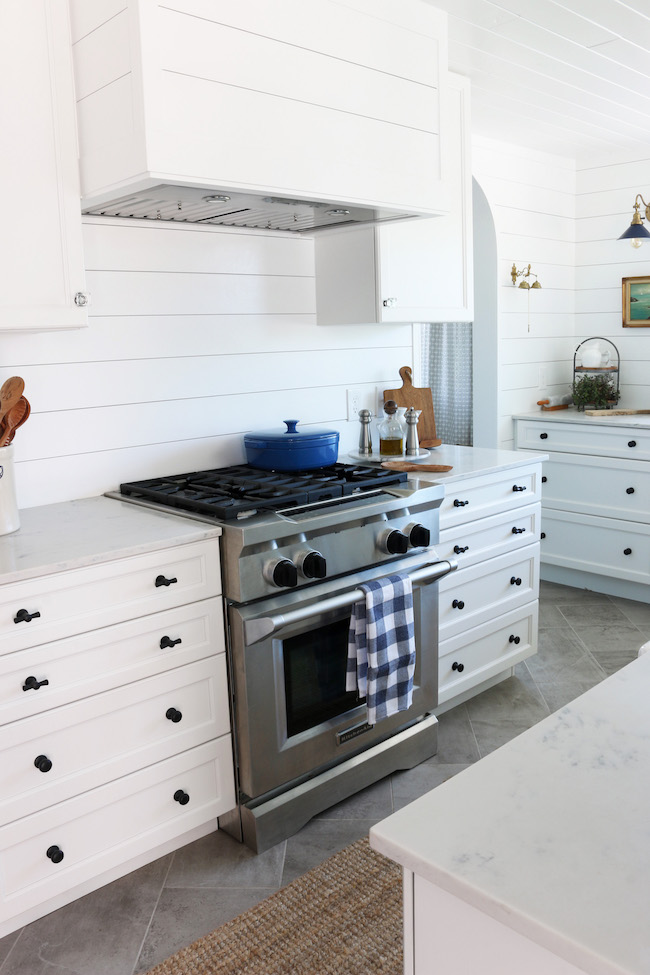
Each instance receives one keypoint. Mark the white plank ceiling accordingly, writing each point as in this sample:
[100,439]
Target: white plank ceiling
[565,76]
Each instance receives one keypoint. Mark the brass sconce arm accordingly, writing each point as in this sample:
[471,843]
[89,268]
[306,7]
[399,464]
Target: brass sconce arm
[637,218]
[524,273]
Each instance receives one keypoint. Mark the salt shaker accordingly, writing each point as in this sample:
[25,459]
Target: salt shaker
[365,438]
[412,443]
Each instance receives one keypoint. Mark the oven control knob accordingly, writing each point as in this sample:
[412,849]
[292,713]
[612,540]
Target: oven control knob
[281,573]
[394,542]
[418,536]
[312,565]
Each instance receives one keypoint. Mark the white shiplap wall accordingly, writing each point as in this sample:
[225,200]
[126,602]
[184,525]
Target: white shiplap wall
[196,335]
[532,199]
[605,199]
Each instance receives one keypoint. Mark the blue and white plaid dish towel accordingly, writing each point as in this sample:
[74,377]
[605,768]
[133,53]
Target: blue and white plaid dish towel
[381,647]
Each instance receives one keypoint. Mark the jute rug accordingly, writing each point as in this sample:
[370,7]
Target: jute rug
[344,917]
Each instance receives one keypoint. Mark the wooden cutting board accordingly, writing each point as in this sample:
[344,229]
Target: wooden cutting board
[405,465]
[615,412]
[419,399]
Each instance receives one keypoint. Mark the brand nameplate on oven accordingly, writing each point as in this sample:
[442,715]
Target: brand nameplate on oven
[359,729]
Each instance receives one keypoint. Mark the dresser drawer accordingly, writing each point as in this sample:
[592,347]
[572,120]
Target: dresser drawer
[605,546]
[84,599]
[476,655]
[90,663]
[478,497]
[589,436]
[55,755]
[485,538]
[112,824]
[596,486]
[480,592]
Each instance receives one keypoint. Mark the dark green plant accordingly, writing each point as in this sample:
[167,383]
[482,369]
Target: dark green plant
[597,391]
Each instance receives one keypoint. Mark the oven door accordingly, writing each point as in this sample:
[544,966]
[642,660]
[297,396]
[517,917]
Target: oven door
[293,716]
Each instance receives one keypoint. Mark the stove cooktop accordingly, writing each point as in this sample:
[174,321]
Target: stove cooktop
[227,493]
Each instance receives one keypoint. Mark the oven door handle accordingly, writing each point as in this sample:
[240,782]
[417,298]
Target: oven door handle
[264,626]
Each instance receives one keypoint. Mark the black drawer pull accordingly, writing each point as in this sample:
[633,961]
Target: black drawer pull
[544,479]
[631,443]
[42,763]
[627,551]
[459,549]
[24,616]
[172,714]
[518,487]
[515,581]
[514,639]
[459,667]
[167,641]
[55,854]
[163,581]
[518,531]
[458,604]
[182,797]
[32,684]
[629,490]
[459,504]
[543,436]
[542,535]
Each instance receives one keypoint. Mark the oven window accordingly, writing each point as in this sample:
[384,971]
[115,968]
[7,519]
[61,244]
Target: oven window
[314,676]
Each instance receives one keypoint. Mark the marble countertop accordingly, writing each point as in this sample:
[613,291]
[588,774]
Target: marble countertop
[470,461]
[72,534]
[550,834]
[572,415]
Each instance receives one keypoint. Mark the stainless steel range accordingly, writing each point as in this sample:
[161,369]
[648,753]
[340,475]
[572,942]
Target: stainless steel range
[295,549]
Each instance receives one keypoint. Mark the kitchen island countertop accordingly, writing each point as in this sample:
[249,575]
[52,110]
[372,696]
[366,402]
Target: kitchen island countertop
[469,461]
[572,415]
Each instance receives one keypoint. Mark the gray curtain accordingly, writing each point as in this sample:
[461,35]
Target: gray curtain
[447,369]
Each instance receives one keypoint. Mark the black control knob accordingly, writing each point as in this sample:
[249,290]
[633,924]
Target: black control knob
[459,667]
[55,853]
[419,536]
[393,542]
[24,616]
[459,549]
[32,684]
[314,566]
[181,797]
[167,641]
[42,763]
[284,574]
[173,714]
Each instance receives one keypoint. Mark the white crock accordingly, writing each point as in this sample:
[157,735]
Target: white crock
[9,517]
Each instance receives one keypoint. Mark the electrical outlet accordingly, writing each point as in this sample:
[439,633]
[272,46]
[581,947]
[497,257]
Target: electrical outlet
[360,398]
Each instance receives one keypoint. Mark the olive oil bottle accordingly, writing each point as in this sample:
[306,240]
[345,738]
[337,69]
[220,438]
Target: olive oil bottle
[391,434]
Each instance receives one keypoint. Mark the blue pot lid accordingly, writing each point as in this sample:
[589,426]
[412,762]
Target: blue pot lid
[291,437]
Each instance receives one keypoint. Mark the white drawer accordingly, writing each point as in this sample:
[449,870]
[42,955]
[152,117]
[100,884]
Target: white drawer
[90,742]
[586,437]
[596,486]
[485,538]
[487,494]
[479,593]
[606,546]
[90,663]
[112,824]
[84,599]
[485,651]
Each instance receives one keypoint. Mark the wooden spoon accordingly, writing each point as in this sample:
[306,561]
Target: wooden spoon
[14,418]
[405,465]
[10,393]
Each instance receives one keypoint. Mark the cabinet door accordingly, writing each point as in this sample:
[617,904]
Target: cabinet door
[40,246]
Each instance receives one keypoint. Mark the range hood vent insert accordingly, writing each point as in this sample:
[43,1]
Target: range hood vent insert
[183,204]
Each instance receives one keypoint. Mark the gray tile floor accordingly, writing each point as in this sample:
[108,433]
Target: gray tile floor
[130,925]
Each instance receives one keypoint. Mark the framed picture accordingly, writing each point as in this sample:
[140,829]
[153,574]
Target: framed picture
[636,302]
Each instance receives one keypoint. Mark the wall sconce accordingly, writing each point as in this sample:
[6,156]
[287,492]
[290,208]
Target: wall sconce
[636,233]
[525,273]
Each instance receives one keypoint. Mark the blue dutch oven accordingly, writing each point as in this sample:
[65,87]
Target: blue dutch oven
[291,449]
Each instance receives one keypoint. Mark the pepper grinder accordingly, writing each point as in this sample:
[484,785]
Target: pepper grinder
[412,444]
[365,438]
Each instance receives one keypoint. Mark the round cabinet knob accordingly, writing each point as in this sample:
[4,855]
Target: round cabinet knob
[173,714]
[459,667]
[164,581]
[627,551]
[458,604]
[542,534]
[544,479]
[281,573]
[515,581]
[631,443]
[419,536]
[459,549]
[312,565]
[181,797]
[55,854]
[394,542]
[42,763]
[514,639]
[629,490]
[167,641]
[543,436]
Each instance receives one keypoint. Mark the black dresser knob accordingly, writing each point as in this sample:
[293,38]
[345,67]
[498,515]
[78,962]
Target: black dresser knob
[631,443]
[164,581]
[24,616]
[55,854]
[515,581]
[514,639]
[543,436]
[518,487]
[627,551]
[181,797]
[32,684]
[458,604]
[173,714]
[167,641]
[629,490]
[542,534]
[459,667]
[459,549]
[518,531]
[42,763]
[459,504]
[544,479]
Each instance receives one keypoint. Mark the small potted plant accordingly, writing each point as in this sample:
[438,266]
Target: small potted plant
[596,391]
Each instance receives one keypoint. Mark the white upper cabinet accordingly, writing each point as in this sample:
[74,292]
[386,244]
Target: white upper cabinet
[322,100]
[41,258]
[417,270]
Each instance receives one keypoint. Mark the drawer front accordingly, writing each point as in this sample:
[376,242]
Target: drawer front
[55,755]
[112,824]
[486,538]
[84,599]
[596,486]
[593,437]
[89,663]
[479,497]
[606,546]
[485,651]
[481,592]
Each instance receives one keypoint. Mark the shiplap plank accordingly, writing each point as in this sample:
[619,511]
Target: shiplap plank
[102,56]
[86,17]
